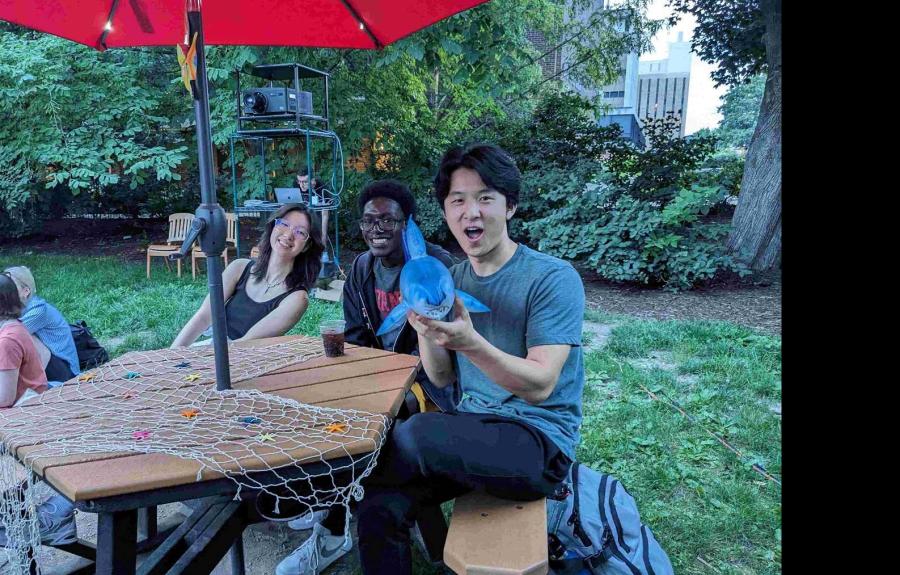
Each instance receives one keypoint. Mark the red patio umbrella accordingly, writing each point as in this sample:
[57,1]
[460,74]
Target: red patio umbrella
[102,24]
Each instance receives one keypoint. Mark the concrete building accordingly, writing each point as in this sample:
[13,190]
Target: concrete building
[663,84]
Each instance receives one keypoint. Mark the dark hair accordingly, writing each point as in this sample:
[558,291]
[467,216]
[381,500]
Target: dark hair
[315,182]
[496,167]
[391,189]
[10,304]
[307,264]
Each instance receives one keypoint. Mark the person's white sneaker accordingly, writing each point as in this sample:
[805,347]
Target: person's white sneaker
[318,552]
[308,520]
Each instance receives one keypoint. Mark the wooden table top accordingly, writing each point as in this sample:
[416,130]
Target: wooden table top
[364,379]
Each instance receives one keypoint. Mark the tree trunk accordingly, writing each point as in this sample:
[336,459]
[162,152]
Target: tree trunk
[756,226]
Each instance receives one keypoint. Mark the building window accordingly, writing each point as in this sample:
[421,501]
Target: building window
[615,94]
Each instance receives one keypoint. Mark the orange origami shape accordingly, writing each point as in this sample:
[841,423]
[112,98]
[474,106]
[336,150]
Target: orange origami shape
[86,376]
[190,413]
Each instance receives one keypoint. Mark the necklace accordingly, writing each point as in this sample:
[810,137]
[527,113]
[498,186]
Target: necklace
[270,285]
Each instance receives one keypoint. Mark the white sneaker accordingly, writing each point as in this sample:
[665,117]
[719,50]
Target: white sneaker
[307,521]
[318,552]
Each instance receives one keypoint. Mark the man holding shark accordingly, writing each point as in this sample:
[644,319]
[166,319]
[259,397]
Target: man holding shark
[518,363]
[371,293]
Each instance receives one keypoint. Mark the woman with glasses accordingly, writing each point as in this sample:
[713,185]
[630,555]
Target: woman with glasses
[268,296]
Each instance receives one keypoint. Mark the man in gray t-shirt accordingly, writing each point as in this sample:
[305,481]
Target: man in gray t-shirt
[535,300]
[519,367]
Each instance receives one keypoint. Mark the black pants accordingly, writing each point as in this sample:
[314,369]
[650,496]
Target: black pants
[434,457]
[58,369]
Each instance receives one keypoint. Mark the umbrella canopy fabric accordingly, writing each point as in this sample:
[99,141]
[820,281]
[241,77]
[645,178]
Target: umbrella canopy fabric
[102,24]
[362,24]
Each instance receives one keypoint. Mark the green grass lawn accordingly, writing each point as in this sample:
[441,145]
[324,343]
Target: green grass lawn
[125,310]
[710,510]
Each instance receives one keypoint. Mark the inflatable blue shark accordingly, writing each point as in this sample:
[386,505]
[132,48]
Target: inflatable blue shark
[425,284]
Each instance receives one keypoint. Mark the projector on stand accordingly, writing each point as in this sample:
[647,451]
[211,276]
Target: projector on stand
[267,101]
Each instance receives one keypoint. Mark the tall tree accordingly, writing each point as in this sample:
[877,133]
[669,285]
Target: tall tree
[744,38]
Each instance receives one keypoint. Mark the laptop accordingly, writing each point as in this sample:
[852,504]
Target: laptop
[288,196]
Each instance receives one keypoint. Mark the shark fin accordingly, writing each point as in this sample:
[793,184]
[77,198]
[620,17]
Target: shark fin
[413,242]
[393,319]
[472,304]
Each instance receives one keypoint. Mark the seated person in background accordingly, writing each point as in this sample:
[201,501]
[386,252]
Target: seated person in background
[21,369]
[371,291]
[268,296]
[50,330]
[315,198]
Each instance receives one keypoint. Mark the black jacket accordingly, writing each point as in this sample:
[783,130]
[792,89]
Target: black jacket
[363,320]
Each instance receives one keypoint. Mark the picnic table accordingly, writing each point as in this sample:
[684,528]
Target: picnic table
[121,486]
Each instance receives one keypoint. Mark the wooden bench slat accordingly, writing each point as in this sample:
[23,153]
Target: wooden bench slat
[492,536]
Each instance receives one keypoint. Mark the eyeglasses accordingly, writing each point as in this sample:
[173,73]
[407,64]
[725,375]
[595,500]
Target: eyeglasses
[384,224]
[296,230]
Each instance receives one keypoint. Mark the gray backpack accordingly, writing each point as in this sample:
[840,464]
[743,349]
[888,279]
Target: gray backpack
[594,529]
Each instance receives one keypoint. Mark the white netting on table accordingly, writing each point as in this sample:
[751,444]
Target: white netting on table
[166,402]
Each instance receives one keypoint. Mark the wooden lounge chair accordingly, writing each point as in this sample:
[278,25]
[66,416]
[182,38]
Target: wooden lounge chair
[179,224]
[230,243]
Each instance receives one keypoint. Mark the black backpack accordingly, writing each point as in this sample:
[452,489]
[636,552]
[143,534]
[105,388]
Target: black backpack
[90,352]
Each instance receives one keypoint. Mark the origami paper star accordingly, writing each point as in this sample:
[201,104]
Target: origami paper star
[190,413]
[131,375]
[249,419]
[86,376]
[128,395]
[336,428]
[265,437]
[139,435]
[183,364]
[187,60]
[193,377]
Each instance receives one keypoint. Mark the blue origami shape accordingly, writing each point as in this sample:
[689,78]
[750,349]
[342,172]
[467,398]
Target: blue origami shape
[183,364]
[249,419]
[425,284]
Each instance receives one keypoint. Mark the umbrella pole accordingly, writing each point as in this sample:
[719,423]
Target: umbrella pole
[212,238]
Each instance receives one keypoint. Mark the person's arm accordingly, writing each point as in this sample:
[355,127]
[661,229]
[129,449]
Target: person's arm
[281,319]
[9,381]
[358,330]
[202,319]
[11,357]
[532,378]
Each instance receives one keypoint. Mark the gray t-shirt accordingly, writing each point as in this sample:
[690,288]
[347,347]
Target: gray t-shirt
[387,296]
[535,299]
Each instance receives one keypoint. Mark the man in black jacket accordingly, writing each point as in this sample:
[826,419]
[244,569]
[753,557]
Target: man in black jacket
[373,286]
[370,293]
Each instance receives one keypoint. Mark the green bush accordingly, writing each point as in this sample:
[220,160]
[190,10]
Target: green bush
[629,239]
